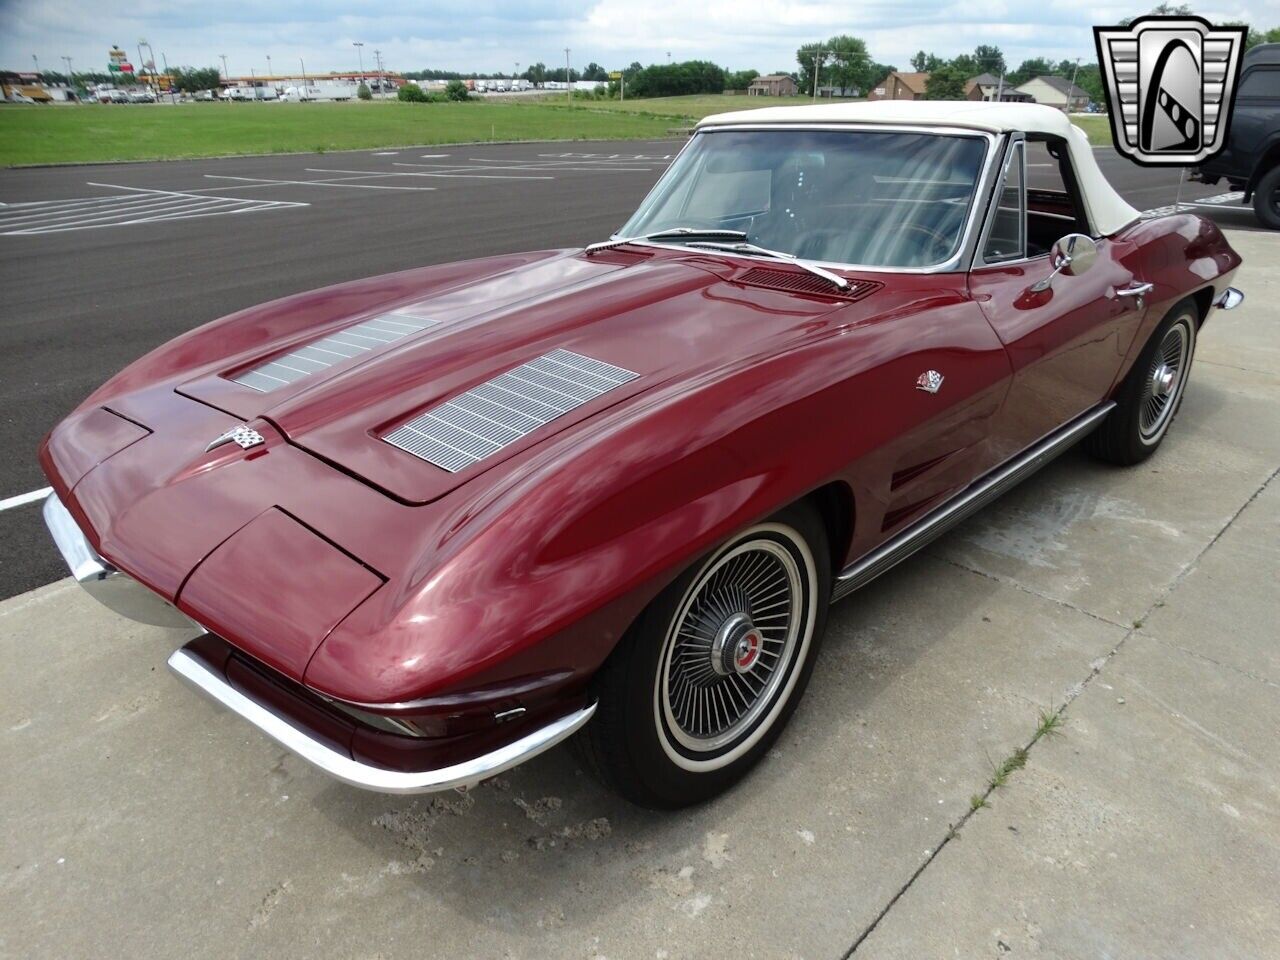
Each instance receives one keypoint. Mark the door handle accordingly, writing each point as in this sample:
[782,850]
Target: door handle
[1135,290]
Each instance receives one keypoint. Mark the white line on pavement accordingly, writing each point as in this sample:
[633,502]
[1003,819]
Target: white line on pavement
[320,183]
[25,498]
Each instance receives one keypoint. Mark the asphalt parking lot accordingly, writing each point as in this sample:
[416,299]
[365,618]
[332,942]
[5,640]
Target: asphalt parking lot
[140,821]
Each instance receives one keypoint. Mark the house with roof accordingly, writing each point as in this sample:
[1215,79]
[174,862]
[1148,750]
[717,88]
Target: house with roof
[1056,92]
[900,86]
[988,89]
[773,85]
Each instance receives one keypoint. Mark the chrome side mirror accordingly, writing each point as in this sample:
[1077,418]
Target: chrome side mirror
[1071,256]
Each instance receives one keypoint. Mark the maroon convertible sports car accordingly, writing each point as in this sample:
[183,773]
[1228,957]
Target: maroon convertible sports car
[430,524]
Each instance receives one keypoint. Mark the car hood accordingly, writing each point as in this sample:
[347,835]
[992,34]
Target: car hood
[653,316]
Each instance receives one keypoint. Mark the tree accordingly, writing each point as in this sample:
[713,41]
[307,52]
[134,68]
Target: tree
[989,59]
[925,62]
[1036,67]
[968,65]
[363,92]
[456,90]
[946,83]
[807,56]
[849,62]
[593,71]
[740,79]
[677,79]
[192,79]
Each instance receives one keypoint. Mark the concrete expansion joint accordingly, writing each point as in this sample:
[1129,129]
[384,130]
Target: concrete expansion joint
[1196,654]
[1095,670]
[1030,591]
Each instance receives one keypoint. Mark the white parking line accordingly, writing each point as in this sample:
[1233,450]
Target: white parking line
[24,498]
[332,182]
[139,205]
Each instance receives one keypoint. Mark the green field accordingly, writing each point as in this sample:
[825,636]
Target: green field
[68,134]
[65,134]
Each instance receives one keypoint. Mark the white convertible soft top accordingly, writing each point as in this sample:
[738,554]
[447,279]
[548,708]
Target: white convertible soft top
[1107,210]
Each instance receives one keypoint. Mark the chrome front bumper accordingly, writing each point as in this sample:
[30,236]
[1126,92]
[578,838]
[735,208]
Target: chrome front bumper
[104,582]
[342,767]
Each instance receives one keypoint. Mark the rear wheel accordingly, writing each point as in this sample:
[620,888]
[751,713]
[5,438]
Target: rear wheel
[705,680]
[1151,394]
[1266,199]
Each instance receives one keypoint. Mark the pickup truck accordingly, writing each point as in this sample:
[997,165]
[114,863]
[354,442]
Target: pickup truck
[1251,160]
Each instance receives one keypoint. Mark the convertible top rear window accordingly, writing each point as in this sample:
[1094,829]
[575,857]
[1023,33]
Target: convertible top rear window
[875,198]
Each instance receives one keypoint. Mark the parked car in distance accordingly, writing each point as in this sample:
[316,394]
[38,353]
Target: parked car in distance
[141,96]
[429,524]
[1251,160]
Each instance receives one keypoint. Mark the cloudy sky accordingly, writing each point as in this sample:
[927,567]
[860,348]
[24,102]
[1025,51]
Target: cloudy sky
[489,36]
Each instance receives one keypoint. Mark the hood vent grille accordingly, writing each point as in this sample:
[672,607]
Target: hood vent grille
[797,282]
[327,351]
[479,423]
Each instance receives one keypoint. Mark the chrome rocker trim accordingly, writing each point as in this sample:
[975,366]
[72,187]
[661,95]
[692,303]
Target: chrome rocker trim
[342,767]
[973,498]
[106,584]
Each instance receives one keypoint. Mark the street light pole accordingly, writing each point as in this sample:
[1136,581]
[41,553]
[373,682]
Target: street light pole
[36,61]
[568,76]
[71,77]
[165,61]
[303,96]
[270,74]
[360,54]
[1071,92]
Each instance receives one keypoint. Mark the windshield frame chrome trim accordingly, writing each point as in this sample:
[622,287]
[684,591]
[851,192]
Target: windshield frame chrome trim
[959,261]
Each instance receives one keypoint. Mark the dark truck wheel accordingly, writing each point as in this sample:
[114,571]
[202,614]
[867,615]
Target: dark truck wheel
[1266,199]
[707,677]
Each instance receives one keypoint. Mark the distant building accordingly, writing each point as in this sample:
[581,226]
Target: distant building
[1056,92]
[985,87]
[900,86]
[774,85]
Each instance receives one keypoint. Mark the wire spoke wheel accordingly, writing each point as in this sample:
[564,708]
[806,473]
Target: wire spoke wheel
[1164,382]
[731,645]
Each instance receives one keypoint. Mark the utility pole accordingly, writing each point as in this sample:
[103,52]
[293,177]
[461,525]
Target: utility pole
[1071,92]
[270,75]
[303,96]
[359,53]
[36,61]
[1000,88]
[225,76]
[817,65]
[568,76]
[71,77]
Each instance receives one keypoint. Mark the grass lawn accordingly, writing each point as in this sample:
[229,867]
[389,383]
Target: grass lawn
[93,132]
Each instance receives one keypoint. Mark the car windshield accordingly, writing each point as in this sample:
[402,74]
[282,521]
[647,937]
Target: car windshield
[874,198]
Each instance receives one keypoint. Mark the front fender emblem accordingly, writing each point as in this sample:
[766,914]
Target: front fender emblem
[930,381]
[245,437]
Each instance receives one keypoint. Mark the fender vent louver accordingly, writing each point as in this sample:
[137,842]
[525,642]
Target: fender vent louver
[797,282]
[477,424]
[336,347]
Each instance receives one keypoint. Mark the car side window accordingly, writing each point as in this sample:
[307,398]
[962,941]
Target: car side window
[1007,238]
[1262,82]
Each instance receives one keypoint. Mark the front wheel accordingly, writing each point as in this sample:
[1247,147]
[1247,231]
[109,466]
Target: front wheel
[1151,394]
[704,681]
[1266,199]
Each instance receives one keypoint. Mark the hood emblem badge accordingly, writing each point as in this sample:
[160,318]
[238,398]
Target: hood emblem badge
[243,436]
[930,381]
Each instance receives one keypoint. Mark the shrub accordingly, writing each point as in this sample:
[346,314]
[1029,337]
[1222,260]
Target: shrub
[456,90]
[363,92]
[412,93]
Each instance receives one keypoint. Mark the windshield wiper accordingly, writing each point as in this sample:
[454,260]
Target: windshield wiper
[670,234]
[839,282]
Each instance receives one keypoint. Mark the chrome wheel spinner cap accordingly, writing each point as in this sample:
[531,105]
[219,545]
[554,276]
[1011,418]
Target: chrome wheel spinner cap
[736,647]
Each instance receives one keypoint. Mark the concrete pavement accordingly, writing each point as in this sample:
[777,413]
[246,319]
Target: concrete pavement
[140,821]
